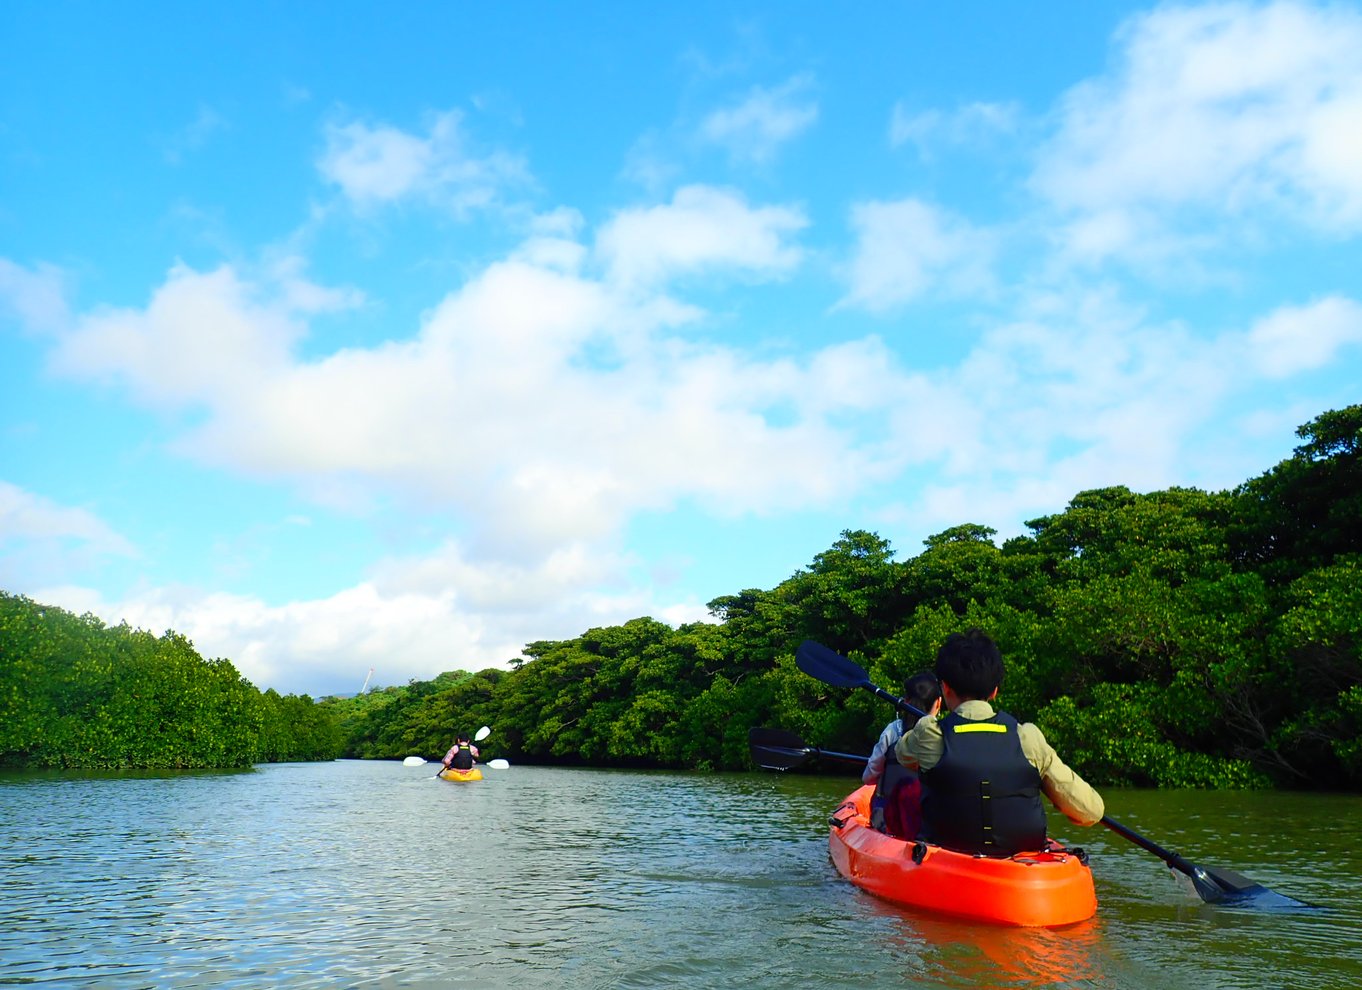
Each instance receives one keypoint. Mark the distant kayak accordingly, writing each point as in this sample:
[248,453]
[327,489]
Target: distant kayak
[449,773]
[1045,888]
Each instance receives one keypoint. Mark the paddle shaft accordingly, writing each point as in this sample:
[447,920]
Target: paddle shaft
[899,703]
[1171,858]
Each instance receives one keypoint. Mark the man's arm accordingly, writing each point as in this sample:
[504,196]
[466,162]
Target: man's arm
[1069,792]
[921,747]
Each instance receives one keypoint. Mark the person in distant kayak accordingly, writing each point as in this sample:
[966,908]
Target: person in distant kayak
[462,755]
[896,807]
[983,772]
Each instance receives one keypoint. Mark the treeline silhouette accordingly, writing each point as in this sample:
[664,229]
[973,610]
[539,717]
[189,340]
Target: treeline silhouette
[77,693]
[1179,638]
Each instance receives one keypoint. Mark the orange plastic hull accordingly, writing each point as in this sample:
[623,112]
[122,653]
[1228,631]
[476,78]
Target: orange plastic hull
[1042,889]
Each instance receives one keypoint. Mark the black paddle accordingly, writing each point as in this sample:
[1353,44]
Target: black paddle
[1214,886]
[776,749]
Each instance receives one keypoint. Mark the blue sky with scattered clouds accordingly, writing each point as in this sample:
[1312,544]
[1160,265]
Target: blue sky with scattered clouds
[352,335]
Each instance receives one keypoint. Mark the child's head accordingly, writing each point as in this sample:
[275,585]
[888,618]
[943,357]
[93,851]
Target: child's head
[463,738]
[971,664]
[921,690]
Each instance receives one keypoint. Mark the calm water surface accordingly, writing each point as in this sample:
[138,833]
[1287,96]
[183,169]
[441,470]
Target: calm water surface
[371,875]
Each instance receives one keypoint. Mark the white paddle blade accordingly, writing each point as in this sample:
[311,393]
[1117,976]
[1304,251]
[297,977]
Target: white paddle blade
[413,761]
[482,733]
[498,764]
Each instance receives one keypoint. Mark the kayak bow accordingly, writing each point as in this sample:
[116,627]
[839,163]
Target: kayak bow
[449,773]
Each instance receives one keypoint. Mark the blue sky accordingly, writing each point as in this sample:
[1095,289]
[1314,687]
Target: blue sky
[351,335]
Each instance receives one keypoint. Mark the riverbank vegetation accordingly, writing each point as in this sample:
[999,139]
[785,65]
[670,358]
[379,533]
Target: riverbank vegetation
[77,693]
[1178,638]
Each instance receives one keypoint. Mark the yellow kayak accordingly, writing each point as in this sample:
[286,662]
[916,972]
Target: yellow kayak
[449,773]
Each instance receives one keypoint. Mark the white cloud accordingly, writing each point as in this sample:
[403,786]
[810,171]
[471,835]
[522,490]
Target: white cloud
[1221,111]
[1302,338]
[36,297]
[379,164]
[703,229]
[1080,391]
[971,125]
[649,164]
[204,338]
[756,127]
[193,136]
[26,516]
[908,249]
[545,405]
[41,539]
[374,164]
[415,617]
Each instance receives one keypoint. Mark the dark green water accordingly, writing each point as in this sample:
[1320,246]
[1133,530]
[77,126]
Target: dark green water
[376,875]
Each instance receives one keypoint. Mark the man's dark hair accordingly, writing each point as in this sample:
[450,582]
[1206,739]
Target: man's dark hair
[970,663]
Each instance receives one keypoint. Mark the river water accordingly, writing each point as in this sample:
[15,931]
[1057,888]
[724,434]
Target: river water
[373,875]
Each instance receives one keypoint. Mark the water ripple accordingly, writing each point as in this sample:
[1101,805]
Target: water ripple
[373,875]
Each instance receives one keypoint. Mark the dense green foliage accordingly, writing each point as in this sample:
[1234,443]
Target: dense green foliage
[77,693]
[1178,639]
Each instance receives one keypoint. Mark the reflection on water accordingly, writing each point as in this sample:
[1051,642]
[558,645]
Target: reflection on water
[376,875]
[951,954]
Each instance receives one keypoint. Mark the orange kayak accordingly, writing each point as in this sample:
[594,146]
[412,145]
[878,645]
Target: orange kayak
[1041,889]
[449,773]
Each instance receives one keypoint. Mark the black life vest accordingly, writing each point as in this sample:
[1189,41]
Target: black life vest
[463,759]
[984,795]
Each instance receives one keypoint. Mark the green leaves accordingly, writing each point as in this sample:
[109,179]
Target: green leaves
[75,693]
[1178,638]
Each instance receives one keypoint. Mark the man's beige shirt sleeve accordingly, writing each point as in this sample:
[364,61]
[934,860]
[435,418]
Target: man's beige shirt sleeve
[920,747]
[1070,793]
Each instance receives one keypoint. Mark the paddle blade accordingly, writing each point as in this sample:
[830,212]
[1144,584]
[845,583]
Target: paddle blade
[1231,889]
[1213,885]
[775,749]
[413,761]
[482,733]
[829,666]
[776,758]
[498,764]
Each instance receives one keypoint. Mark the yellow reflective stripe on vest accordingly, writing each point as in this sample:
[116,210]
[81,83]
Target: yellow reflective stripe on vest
[979,727]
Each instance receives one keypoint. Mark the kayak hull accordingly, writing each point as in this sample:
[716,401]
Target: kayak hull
[1041,889]
[460,776]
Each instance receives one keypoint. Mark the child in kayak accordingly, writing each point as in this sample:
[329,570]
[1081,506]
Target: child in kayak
[462,755]
[896,807]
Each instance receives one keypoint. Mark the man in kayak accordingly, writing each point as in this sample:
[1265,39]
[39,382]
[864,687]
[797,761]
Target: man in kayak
[982,772]
[896,806]
[462,754]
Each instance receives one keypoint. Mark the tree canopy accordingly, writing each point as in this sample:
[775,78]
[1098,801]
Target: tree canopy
[77,693]
[1176,638]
